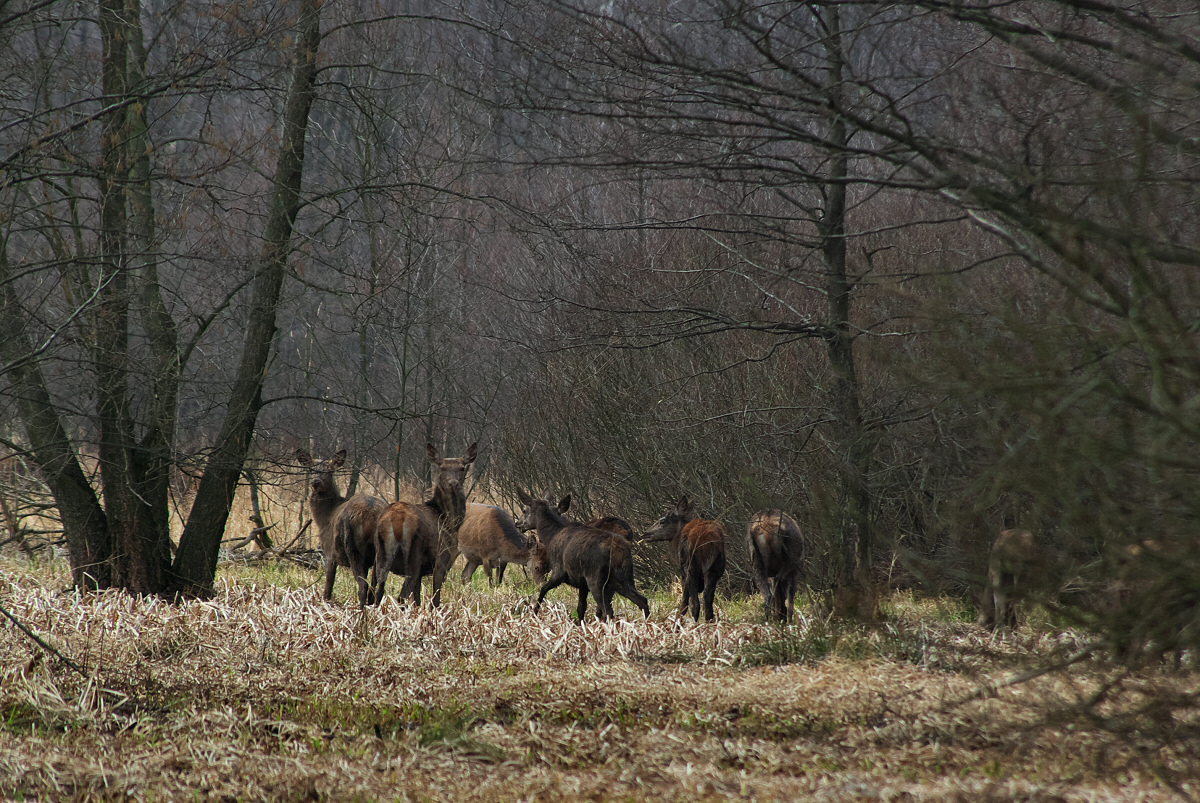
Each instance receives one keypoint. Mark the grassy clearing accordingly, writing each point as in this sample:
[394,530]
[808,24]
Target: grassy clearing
[266,692]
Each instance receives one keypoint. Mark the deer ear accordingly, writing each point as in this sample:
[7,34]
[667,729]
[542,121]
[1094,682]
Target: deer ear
[472,452]
[431,452]
[564,504]
[303,457]
[525,498]
[683,504]
[338,459]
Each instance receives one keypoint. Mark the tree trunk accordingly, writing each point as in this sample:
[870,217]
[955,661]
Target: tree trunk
[84,522]
[852,452]
[196,559]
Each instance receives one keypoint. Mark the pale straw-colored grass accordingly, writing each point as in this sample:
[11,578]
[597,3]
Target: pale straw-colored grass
[266,692]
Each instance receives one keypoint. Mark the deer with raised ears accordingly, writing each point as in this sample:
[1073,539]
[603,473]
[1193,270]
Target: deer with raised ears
[698,551]
[776,550]
[489,538]
[1013,564]
[586,558]
[539,564]
[416,540]
[345,527]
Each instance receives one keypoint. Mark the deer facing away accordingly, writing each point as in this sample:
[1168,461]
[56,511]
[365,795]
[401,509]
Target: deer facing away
[416,540]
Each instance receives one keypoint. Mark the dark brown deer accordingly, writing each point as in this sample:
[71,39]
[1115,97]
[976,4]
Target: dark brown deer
[698,550]
[539,566]
[586,558]
[776,550]
[345,527]
[1013,565]
[489,538]
[416,540]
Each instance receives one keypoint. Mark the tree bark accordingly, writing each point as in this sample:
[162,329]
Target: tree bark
[84,522]
[852,452]
[196,560]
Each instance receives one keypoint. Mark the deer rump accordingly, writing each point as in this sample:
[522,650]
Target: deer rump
[777,553]
[405,543]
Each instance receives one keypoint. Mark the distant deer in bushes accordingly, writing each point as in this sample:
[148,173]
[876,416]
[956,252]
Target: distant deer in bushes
[416,540]
[776,549]
[591,560]
[1013,565]
[698,550]
[489,538]
[345,527]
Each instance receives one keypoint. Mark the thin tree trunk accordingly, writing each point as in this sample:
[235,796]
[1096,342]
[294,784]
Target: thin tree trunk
[196,559]
[84,522]
[852,450]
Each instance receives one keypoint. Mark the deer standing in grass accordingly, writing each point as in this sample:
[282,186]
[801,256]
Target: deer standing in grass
[776,550]
[345,527]
[416,540]
[539,565]
[698,550]
[586,558]
[1012,565]
[489,538]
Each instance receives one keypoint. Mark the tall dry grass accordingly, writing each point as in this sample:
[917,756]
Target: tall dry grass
[265,692]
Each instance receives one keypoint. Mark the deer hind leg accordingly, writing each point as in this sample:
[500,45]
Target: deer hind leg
[710,591]
[469,570]
[630,593]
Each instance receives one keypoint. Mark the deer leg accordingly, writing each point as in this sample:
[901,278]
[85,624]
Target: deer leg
[630,593]
[440,568]
[710,591]
[330,576]
[552,582]
[469,570]
[500,571]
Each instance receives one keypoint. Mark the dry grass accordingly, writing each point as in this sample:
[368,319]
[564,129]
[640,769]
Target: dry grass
[265,692]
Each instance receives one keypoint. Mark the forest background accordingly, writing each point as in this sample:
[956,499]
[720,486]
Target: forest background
[912,272]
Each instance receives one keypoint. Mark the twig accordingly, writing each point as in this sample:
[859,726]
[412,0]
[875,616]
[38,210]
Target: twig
[41,643]
[283,551]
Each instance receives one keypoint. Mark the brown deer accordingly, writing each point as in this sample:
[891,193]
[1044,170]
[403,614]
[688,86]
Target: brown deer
[489,538]
[586,558]
[416,540]
[345,527]
[539,565]
[1012,566]
[776,549]
[698,550]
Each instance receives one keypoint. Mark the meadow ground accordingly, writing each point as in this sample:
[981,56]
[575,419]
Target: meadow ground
[266,692]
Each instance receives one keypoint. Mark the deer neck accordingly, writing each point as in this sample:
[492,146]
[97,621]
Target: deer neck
[321,507]
[449,506]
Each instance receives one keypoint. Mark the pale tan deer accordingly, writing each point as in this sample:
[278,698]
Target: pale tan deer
[416,540]
[1013,565]
[489,538]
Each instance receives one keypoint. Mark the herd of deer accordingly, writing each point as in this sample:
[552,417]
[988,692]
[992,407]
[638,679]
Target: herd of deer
[364,533]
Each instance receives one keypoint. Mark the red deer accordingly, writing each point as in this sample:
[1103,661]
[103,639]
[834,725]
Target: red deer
[776,549]
[698,549]
[416,540]
[1012,565]
[345,527]
[539,566]
[489,538]
[583,557]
